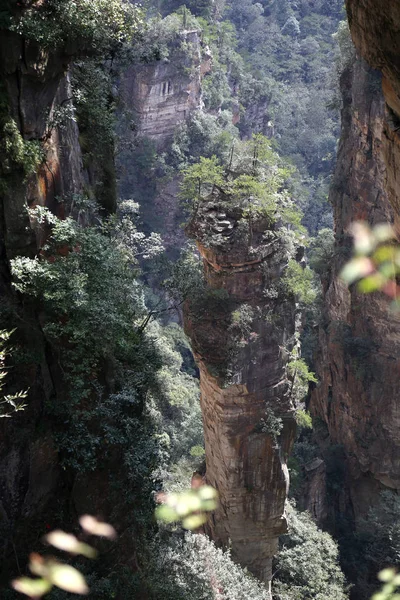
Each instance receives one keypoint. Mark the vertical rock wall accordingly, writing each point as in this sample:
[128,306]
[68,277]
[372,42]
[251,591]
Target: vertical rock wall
[158,97]
[33,84]
[359,359]
[375,31]
[162,94]
[244,386]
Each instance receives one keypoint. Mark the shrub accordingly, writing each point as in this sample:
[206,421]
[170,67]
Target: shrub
[24,154]
[93,25]
[307,567]
[299,281]
[191,567]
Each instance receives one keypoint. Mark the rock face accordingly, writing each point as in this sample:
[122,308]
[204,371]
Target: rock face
[33,84]
[375,31]
[241,333]
[359,359]
[162,95]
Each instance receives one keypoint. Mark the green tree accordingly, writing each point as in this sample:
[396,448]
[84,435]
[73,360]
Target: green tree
[80,26]
[199,180]
[307,566]
[9,403]
[299,281]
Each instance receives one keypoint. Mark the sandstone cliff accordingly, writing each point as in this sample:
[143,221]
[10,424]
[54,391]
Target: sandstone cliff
[162,94]
[241,334]
[158,97]
[359,362]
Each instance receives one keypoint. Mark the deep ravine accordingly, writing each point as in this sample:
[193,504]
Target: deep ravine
[101,120]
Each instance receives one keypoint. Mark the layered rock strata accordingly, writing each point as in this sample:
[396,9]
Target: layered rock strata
[162,94]
[242,330]
[359,359]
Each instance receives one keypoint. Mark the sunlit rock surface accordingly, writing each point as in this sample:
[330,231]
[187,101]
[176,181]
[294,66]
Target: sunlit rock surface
[242,378]
[162,94]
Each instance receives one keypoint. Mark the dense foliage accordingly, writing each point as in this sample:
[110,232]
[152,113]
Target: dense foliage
[128,410]
[308,563]
[91,26]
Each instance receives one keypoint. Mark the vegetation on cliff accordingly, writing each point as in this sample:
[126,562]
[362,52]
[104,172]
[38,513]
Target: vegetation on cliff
[116,394]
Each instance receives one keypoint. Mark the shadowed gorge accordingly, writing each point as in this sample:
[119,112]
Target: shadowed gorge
[179,185]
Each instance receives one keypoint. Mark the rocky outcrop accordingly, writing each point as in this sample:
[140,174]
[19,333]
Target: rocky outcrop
[34,84]
[359,359]
[158,97]
[241,332]
[162,94]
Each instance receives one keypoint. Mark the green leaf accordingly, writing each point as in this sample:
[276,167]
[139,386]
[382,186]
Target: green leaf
[67,578]
[364,239]
[166,514]
[385,253]
[34,588]
[384,232]
[388,270]
[69,543]
[371,284]
[206,492]
[387,575]
[209,505]
[357,269]
[188,503]
[94,527]
[194,521]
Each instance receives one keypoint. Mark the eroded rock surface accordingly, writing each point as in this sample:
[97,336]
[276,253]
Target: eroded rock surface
[162,94]
[33,84]
[359,360]
[159,97]
[241,332]
[375,31]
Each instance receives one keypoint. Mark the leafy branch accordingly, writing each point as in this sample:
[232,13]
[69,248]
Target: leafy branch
[10,403]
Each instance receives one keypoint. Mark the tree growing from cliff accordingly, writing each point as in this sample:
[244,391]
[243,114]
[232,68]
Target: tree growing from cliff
[203,8]
[252,178]
[299,281]
[199,180]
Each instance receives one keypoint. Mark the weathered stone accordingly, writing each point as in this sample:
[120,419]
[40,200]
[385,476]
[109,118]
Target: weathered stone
[375,30]
[242,377]
[30,473]
[163,94]
[359,357]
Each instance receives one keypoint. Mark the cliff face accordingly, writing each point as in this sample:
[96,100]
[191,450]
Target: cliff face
[158,97]
[33,85]
[374,28]
[241,334]
[359,359]
[161,95]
